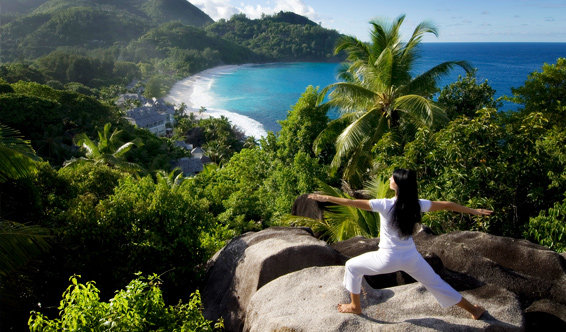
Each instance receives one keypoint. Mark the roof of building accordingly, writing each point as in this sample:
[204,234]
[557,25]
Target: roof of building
[184,145]
[145,116]
[130,96]
[190,166]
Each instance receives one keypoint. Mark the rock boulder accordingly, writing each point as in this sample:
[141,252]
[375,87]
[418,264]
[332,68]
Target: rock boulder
[252,260]
[306,300]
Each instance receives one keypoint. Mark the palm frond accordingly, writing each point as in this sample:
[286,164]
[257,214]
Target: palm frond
[422,83]
[378,187]
[384,67]
[358,131]
[122,150]
[86,143]
[421,110]
[17,157]
[355,48]
[418,33]
[385,34]
[331,132]
[75,161]
[356,165]
[360,159]
[19,243]
[350,96]
[319,227]
[345,222]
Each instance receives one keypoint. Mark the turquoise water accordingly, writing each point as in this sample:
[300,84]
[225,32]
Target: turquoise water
[266,92]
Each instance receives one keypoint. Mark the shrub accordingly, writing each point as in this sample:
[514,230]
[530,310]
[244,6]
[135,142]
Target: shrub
[139,307]
[549,227]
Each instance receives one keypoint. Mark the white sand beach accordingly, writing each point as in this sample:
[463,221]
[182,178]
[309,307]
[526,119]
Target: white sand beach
[196,92]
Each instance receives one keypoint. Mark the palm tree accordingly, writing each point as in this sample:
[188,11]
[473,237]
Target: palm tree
[378,93]
[18,243]
[107,150]
[343,222]
[173,179]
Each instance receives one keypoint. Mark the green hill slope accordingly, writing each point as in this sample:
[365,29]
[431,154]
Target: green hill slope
[176,10]
[284,36]
[88,24]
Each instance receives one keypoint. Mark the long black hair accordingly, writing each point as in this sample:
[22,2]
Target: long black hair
[407,210]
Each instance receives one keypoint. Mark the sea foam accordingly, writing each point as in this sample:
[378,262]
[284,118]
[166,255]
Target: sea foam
[196,91]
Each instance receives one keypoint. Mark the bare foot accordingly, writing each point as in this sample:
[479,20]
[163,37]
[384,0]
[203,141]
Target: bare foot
[349,308]
[477,312]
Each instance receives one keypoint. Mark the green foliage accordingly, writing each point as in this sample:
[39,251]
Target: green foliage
[462,163]
[222,139]
[66,66]
[154,87]
[138,307]
[19,243]
[303,124]
[255,187]
[76,26]
[549,227]
[283,36]
[175,10]
[109,150]
[155,225]
[20,6]
[493,160]
[49,118]
[16,155]
[465,97]
[94,179]
[545,92]
[15,72]
[343,222]
[219,138]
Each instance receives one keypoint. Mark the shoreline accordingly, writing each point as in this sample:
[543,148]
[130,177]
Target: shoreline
[198,86]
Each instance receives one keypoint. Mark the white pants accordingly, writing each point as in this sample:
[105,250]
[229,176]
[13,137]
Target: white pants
[393,260]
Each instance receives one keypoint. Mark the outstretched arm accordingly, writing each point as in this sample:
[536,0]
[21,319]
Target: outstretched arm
[357,203]
[451,206]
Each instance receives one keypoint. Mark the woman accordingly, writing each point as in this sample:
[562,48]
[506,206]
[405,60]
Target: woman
[397,251]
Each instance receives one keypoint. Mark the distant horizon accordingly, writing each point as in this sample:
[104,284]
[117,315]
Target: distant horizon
[501,21]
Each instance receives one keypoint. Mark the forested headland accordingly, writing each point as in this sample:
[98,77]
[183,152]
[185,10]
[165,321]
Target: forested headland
[83,192]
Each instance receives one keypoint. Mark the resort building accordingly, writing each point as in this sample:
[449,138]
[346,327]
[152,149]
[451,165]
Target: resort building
[194,164]
[152,114]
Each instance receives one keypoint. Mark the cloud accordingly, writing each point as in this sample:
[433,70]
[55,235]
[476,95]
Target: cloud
[218,9]
[296,6]
[549,19]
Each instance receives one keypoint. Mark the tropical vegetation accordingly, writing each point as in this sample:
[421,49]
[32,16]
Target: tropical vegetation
[118,229]
[138,307]
[378,94]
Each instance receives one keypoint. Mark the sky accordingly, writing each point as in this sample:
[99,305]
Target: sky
[456,20]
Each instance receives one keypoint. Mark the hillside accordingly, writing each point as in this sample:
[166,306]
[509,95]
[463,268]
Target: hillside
[87,24]
[283,36]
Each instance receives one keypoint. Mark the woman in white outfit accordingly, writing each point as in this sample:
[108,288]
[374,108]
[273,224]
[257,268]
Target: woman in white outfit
[397,251]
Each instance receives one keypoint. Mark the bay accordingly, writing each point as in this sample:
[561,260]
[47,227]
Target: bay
[255,96]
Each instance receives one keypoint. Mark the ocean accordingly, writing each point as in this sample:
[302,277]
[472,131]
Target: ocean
[255,96]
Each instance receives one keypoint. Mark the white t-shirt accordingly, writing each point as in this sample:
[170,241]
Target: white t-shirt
[388,236]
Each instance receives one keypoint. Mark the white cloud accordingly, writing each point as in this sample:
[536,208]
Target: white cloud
[218,9]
